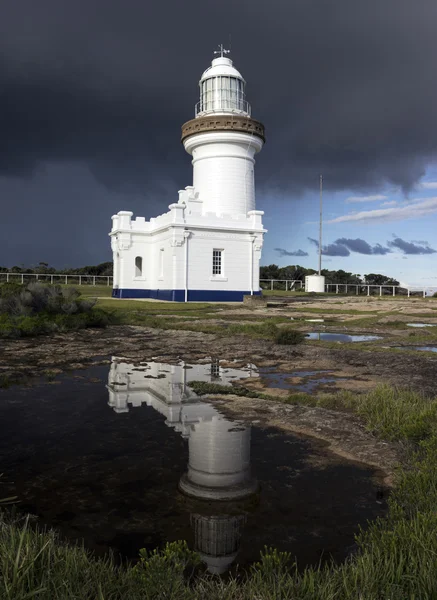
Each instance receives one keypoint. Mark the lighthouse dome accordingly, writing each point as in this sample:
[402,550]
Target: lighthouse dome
[221,66]
[222,90]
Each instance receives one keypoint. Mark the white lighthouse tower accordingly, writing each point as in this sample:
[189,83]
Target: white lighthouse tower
[208,246]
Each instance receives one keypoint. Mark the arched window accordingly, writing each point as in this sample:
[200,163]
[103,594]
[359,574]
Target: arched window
[138,266]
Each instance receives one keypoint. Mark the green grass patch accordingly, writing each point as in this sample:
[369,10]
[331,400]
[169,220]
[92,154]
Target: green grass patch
[94,291]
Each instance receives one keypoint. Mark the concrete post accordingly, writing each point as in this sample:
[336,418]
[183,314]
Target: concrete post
[380,290]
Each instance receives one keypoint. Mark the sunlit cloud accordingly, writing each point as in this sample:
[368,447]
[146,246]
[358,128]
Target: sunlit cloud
[374,198]
[416,209]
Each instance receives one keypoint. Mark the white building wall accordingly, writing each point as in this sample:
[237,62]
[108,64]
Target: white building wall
[223,171]
[167,242]
[235,247]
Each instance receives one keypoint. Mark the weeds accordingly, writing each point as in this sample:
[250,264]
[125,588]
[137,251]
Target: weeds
[203,388]
[287,336]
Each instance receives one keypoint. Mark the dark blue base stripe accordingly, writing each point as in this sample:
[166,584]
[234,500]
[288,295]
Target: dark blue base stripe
[179,295]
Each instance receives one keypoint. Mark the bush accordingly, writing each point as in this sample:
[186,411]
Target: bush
[38,309]
[10,289]
[289,337]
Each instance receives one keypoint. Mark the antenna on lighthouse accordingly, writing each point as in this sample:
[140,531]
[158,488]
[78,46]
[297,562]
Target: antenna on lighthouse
[320,227]
[221,50]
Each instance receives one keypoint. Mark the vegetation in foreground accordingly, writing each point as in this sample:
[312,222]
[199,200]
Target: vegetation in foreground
[37,309]
[396,556]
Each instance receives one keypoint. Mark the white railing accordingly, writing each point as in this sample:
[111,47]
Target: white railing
[235,106]
[290,284]
[364,287]
[57,278]
[344,288]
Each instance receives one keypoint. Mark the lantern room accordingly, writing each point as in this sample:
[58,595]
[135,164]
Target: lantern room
[222,90]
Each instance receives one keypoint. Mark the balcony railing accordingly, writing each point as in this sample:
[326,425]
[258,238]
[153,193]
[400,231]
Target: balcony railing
[237,106]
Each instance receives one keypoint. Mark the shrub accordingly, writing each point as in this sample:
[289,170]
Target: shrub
[39,309]
[289,337]
[10,289]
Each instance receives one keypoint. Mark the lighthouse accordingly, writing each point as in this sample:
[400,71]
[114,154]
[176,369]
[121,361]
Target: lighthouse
[207,247]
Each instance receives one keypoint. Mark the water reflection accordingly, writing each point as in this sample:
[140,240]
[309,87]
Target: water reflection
[218,448]
[340,337]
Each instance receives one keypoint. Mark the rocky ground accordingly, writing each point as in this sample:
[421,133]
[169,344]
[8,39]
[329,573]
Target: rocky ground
[356,369]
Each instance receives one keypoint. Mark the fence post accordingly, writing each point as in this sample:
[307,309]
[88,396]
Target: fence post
[108,280]
[66,279]
[94,281]
[271,285]
[336,289]
[286,285]
[80,279]
[22,278]
[51,279]
[424,293]
[356,292]
[368,290]
[394,291]
[380,290]
[7,277]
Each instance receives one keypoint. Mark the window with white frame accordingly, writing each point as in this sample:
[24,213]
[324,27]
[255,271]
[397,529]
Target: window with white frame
[217,262]
[138,266]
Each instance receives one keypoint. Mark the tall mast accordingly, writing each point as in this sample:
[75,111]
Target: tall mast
[320,228]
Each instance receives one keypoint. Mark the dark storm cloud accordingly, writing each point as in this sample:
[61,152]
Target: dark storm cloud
[344,246]
[332,249]
[344,88]
[283,252]
[362,247]
[410,247]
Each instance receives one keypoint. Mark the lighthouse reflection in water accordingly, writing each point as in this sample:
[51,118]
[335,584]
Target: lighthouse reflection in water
[219,449]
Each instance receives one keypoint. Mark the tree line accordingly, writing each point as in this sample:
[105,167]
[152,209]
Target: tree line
[296,272]
[43,268]
[292,272]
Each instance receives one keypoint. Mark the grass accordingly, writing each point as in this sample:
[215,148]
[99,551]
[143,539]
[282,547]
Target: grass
[396,556]
[94,291]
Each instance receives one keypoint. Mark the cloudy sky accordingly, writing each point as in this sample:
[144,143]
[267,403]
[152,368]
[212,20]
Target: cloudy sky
[93,94]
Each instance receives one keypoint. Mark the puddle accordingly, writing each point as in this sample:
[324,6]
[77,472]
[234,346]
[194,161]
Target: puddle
[340,337]
[420,325]
[419,348]
[137,459]
[286,381]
